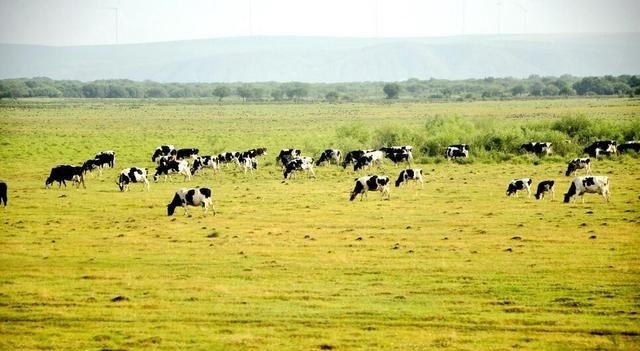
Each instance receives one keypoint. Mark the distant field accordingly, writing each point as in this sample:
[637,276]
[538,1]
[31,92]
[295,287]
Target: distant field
[296,266]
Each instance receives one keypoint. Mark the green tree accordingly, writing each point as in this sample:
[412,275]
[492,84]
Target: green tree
[221,92]
[332,96]
[391,90]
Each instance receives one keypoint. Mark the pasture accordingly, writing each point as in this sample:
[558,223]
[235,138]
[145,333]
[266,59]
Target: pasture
[296,266]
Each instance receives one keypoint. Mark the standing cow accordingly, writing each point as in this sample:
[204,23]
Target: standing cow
[371,183]
[545,186]
[62,173]
[410,174]
[589,184]
[133,175]
[519,184]
[579,163]
[3,194]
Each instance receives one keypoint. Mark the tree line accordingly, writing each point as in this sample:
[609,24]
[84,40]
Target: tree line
[411,89]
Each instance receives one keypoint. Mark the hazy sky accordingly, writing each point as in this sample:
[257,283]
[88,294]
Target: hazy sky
[96,22]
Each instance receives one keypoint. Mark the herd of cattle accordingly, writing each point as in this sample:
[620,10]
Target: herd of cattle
[169,160]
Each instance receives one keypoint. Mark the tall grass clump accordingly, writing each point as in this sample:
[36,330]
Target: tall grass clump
[441,132]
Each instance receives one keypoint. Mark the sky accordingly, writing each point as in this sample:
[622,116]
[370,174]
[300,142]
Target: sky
[108,22]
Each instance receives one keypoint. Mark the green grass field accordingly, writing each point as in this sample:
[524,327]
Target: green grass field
[296,266]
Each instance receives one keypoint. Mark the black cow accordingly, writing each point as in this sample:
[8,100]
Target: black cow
[199,197]
[371,183]
[633,145]
[538,148]
[456,151]
[602,147]
[544,187]
[3,194]
[133,175]
[106,158]
[353,157]
[400,156]
[329,155]
[62,173]
[163,150]
[253,153]
[187,153]
[286,155]
[519,184]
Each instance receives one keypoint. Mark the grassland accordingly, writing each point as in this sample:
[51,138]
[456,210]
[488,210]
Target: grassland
[296,266]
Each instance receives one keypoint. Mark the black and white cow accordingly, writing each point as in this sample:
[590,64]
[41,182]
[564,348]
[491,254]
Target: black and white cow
[538,148]
[457,151]
[545,186]
[588,184]
[353,156]
[286,155]
[204,162]
[62,173]
[633,145]
[304,163]
[167,168]
[197,197]
[410,174]
[398,153]
[107,158]
[578,163]
[602,147]
[253,153]
[370,158]
[4,199]
[163,150]
[228,157]
[181,154]
[133,175]
[330,155]
[371,183]
[396,149]
[519,184]
[247,164]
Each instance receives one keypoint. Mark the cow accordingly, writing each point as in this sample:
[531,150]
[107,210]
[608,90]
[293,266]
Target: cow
[204,162]
[409,174]
[633,145]
[578,163]
[247,163]
[181,154]
[90,165]
[163,150]
[588,184]
[602,147]
[544,187]
[227,158]
[396,149]
[62,173]
[253,153]
[456,151]
[330,155]
[167,168]
[107,157]
[519,184]
[299,164]
[352,157]
[369,159]
[133,175]
[538,148]
[286,155]
[371,183]
[4,199]
[191,197]
[400,156]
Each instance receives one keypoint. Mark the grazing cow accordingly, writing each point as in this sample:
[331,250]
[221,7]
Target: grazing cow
[371,183]
[519,184]
[544,187]
[396,149]
[133,175]
[107,157]
[197,197]
[579,163]
[602,147]
[369,159]
[329,155]
[409,174]
[456,151]
[63,173]
[187,153]
[163,150]
[299,164]
[538,148]
[204,162]
[588,184]
[287,155]
[167,168]
[353,156]
[3,194]
[633,145]
[400,156]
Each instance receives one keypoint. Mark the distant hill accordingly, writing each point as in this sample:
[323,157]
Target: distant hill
[320,59]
